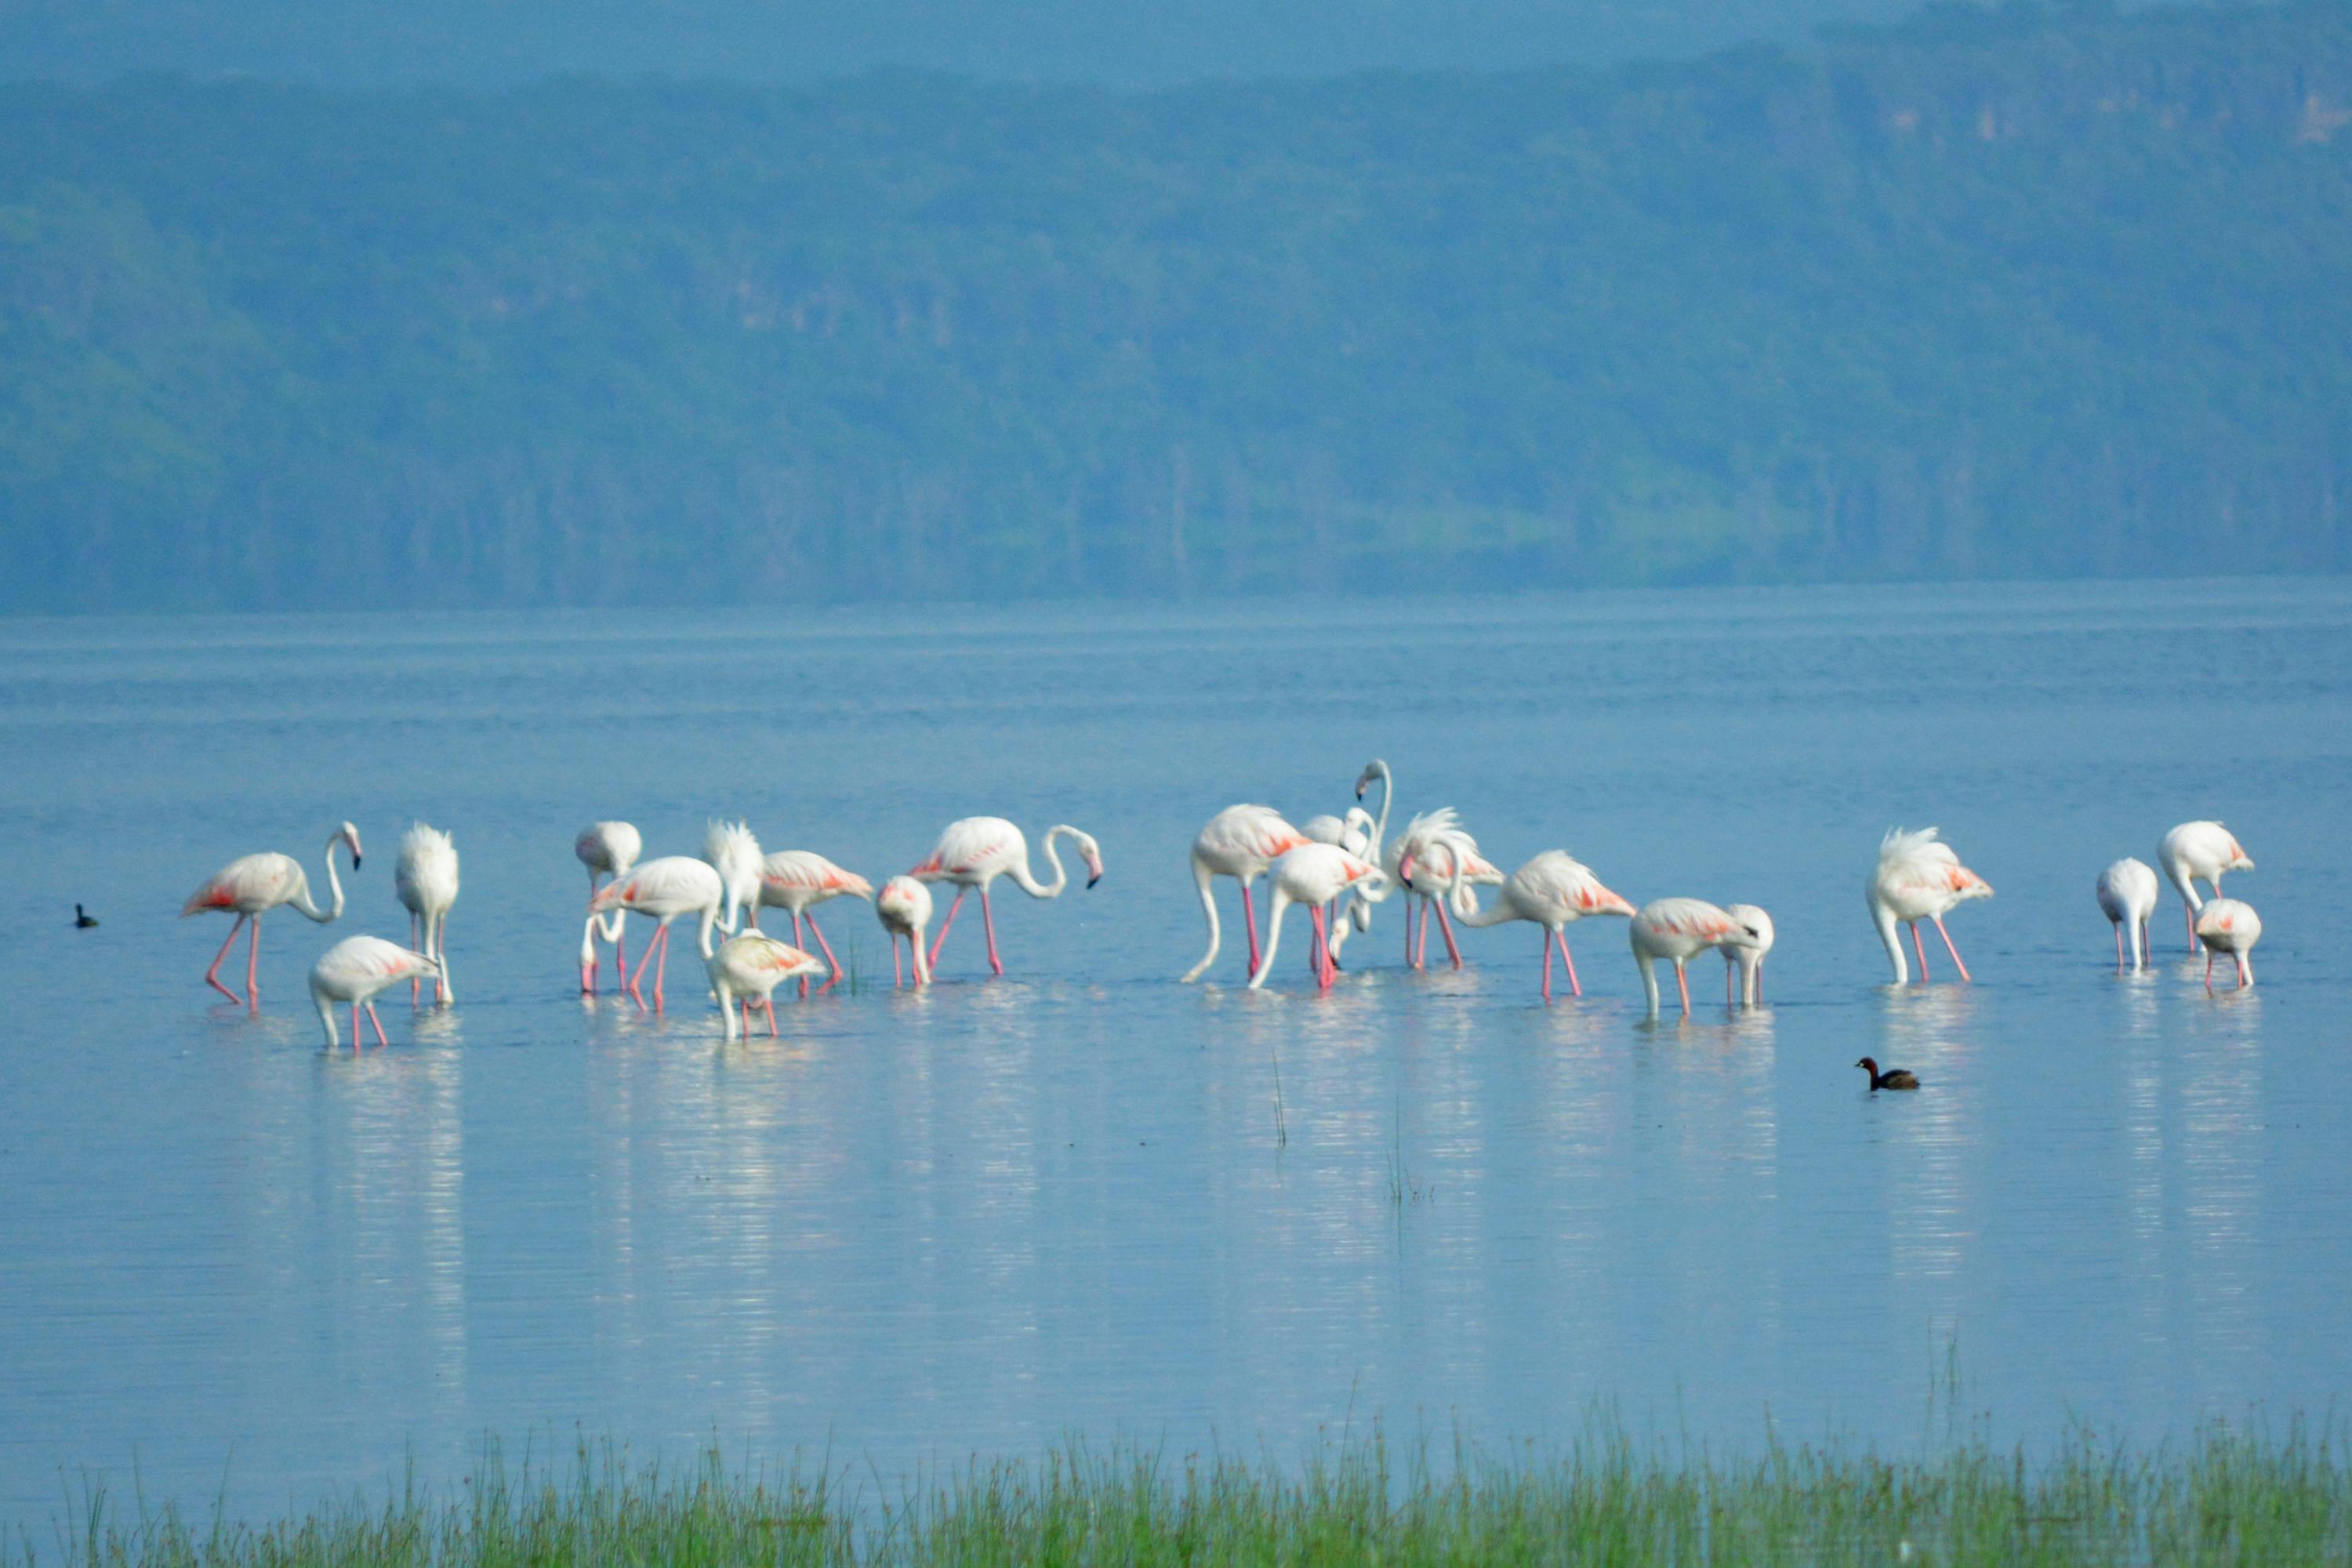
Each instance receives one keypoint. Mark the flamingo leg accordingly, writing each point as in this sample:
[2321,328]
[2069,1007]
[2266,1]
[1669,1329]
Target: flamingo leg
[357,1038]
[1421,944]
[2119,947]
[988,920]
[253,967]
[1948,947]
[770,1004]
[1681,983]
[1446,927]
[1408,932]
[661,964]
[2209,969]
[946,925]
[1756,985]
[897,973]
[1249,923]
[621,950]
[212,976]
[1573,988]
[743,1005]
[374,1020]
[1921,950]
[2189,915]
[440,973]
[825,948]
[630,983]
[1547,987]
[417,980]
[802,943]
[1315,939]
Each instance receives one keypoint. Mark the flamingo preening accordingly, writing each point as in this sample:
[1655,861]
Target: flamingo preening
[2231,926]
[800,879]
[904,908]
[425,879]
[661,890]
[2196,850]
[1438,838]
[355,970]
[973,851]
[1240,842]
[1553,891]
[753,965]
[252,886]
[1679,929]
[1313,875]
[2126,893]
[1747,961]
[607,849]
[1917,878]
[734,854]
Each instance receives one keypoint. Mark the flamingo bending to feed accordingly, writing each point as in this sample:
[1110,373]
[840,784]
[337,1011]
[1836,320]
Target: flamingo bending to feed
[1747,963]
[607,849]
[2127,892]
[1553,891]
[753,965]
[1359,836]
[253,885]
[904,908]
[1437,838]
[1313,875]
[1917,878]
[973,851]
[662,891]
[799,880]
[1240,842]
[2196,850]
[1679,929]
[425,880]
[355,970]
[734,854]
[2231,926]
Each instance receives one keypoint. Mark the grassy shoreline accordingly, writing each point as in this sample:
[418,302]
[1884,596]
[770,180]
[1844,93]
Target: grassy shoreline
[2226,1495]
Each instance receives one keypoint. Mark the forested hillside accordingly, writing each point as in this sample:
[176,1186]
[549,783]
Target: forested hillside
[1991,294]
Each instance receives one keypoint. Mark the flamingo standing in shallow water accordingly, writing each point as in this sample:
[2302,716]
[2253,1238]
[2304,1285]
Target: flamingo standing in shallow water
[253,885]
[734,854]
[425,879]
[1359,836]
[607,849]
[1918,878]
[662,891]
[2196,850]
[1679,929]
[1553,891]
[1747,963]
[799,880]
[753,965]
[2231,926]
[1240,842]
[904,908]
[973,851]
[355,970]
[1313,875]
[2127,892]
[1436,838]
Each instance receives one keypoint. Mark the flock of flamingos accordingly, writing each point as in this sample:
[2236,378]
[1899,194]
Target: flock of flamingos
[1339,868]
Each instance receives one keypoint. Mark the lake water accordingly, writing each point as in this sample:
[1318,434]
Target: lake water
[922,1227]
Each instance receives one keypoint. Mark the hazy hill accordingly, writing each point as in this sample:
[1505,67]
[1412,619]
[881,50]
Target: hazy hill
[1984,295]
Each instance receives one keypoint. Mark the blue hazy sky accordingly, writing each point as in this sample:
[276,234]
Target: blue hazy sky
[1118,42]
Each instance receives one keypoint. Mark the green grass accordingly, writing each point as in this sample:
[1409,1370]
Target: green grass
[2225,1496]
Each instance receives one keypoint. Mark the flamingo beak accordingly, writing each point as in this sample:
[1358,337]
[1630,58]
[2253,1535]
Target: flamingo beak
[1404,870]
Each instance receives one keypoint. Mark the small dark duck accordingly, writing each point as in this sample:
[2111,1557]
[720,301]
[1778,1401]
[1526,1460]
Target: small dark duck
[83,918]
[1899,1078]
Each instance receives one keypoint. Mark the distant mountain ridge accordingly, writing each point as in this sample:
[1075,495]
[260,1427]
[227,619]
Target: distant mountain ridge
[1987,294]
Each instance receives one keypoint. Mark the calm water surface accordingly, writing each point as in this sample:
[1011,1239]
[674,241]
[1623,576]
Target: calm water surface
[923,1226]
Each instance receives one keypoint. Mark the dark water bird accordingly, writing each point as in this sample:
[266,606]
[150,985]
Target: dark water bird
[1898,1077]
[84,920]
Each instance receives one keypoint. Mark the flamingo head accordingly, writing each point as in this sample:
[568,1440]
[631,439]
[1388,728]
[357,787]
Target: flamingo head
[349,835]
[608,897]
[1092,855]
[1372,770]
[1404,870]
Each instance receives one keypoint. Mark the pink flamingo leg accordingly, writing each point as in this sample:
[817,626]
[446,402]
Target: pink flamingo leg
[1421,944]
[630,982]
[2209,969]
[1573,988]
[897,973]
[1446,927]
[946,925]
[802,943]
[253,967]
[988,919]
[212,976]
[414,980]
[826,948]
[1249,923]
[1948,947]
[769,1003]
[374,1020]
[2189,915]
[1546,989]
[1921,950]
[661,965]
[744,1003]
[2119,947]
[621,950]
[357,1038]
[1682,981]
[1408,931]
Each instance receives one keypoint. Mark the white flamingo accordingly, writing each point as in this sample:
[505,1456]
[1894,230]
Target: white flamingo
[2128,893]
[253,885]
[425,879]
[753,965]
[1553,891]
[1747,963]
[1240,842]
[607,849]
[798,880]
[1313,875]
[1436,838]
[734,854]
[1359,836]
[2231,926]
[904,908]
[354,971]
[1917,878]
[973,851]
[2196,850]
[1679,929]
[661,890]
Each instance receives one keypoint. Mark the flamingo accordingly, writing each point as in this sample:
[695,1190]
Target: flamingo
[2231,926]
[799,880]
[2196,850]
[606,849]
[1313,875]
[355,970]
[425,880]
[753,965]
[1553,891]
[662,891]
[734,854]
[904,908]
[1359,836]
[1918,878]
[1679,929]
[1437,837]
[973,851]
[1240,842]
[253,885]
[1747,963]
[2126,891]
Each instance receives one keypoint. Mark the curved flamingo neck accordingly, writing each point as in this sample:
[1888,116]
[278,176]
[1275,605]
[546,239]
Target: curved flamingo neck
[1019,870]
[334,885]
[1388,795]
[1884,918]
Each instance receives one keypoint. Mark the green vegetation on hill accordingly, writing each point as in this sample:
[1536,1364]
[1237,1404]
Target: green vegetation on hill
[1993,294]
